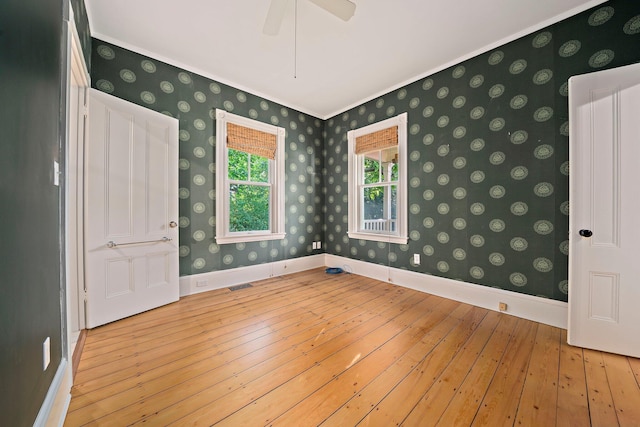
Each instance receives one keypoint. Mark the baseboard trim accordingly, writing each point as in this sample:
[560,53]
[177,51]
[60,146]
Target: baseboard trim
[198,283]
[56,403]
[543,310]
[77,352]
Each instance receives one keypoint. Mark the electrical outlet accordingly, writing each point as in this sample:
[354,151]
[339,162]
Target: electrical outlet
[502,306]
[46,353]
[314,245]
[416,259]
[201,283]
[319,245]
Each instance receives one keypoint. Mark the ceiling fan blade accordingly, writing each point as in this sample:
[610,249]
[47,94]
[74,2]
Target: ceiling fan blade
[274,17]
[343,9]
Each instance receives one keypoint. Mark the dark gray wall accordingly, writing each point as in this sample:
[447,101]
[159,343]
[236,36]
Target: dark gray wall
[30,102]
[488,156]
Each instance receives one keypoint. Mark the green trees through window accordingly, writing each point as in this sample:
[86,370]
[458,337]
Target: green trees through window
[249,192]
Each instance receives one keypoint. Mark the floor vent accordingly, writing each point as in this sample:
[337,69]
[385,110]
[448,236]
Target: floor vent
[238,287]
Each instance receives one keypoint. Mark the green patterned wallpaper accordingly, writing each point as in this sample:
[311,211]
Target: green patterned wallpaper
[193,99]
[488,157]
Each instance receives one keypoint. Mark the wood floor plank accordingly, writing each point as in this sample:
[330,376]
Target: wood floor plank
[375,351]
[318,406]
[312,349]
[539,398]
[624,389]
[601,409]
[434,402]
[281,328]
[573,406]
[174,311]
[464,406]
[230,380]
[212,331]
[218,360]
[195,305]
[391,408]
[312,373]
[500,403]
[219,315]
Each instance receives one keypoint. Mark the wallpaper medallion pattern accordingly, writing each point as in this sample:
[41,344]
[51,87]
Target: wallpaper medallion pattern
[487,147]
[488,157]
[193,99]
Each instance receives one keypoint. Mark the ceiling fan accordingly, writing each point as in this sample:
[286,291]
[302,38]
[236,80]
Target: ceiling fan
[343,9]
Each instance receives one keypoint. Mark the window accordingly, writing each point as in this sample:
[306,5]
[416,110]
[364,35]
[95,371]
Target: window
[249,180]
[377,181]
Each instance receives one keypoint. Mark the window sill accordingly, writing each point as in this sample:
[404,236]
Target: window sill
[244,238]
[378,237]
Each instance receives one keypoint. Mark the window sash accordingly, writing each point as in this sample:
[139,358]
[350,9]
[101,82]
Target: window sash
[269,184]
[383,176]
[253,162]
[269,188]
[387,225]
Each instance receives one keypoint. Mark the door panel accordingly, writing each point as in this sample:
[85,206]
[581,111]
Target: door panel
[118,276]
[604,146]
[119,154]
[132,196]
[605,171]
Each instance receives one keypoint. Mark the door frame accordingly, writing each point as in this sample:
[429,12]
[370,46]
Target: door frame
[73,220]
[56,404]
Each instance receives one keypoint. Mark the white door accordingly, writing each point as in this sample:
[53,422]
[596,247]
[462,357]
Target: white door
[131,184]
[604,222]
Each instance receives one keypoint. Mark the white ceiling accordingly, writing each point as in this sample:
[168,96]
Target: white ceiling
[337,64]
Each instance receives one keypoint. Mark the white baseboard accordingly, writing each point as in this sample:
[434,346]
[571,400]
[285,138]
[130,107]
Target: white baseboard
[56,403]
[543,310]
[197,283]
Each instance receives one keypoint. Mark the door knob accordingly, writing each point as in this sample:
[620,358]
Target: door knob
[585,233]
[173,224]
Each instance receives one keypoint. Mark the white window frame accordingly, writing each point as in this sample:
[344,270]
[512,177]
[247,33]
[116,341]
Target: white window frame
[276,179]
[356,219]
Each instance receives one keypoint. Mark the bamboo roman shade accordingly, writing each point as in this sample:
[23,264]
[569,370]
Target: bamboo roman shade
[379,140]
[251,141]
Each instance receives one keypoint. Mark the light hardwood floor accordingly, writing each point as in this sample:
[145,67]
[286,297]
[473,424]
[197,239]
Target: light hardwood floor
[343,350]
